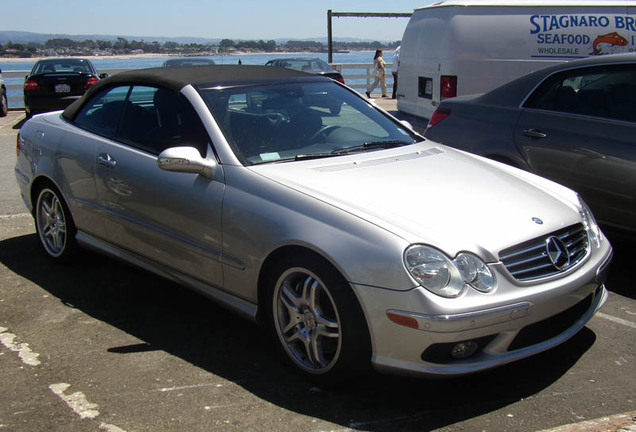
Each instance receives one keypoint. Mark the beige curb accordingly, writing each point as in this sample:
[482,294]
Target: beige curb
[617,423]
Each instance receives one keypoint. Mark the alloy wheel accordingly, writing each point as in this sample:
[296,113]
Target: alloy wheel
[51,223]
[307,320]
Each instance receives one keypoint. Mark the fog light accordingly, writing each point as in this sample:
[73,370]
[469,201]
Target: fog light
[464,349]
[444,353]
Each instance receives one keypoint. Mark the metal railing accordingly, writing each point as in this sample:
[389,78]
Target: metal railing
[358,76]
[358,79]
[14,102]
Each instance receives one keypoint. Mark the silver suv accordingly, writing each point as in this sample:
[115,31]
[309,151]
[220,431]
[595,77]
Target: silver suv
[4,103]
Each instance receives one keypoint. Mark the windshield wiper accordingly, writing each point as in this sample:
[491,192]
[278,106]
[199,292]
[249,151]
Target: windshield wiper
[353,149]
[314,156]
[341,151]
[370,146]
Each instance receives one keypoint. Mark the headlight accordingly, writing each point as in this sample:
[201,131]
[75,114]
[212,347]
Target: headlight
[447,277]
[475,272]
[593,231]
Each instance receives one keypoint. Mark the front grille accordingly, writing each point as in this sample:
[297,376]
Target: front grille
[529,260]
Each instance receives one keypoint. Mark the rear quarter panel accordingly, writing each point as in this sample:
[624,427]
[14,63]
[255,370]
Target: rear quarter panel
[60,153]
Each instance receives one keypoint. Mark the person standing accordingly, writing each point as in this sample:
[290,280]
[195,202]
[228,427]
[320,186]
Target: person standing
[394,71]
[379,70]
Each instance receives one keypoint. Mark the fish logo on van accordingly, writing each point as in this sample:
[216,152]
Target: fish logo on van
[613,39]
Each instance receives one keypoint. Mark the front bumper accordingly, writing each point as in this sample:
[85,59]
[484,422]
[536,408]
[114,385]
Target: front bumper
[536,320]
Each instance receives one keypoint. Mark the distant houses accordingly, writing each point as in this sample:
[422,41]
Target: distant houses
[68,47]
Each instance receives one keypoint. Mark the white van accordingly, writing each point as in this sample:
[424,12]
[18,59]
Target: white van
[462,47]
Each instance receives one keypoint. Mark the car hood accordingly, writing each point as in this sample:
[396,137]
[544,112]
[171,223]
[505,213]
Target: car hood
[429,193]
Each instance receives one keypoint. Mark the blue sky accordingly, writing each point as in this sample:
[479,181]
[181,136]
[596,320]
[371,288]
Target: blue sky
[233,19]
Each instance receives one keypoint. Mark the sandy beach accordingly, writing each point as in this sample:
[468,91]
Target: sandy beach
[150,55]
[21,59]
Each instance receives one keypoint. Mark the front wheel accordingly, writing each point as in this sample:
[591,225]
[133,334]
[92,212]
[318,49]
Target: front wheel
[4,103]
[54,225]
[318,320]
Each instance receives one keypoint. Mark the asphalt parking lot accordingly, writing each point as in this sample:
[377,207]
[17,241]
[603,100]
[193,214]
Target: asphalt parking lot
[100,346]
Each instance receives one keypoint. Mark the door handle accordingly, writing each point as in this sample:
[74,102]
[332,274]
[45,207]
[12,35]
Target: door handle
[534,133]
[106,160]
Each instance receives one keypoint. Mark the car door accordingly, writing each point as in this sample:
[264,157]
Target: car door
[173,219]
[579,129]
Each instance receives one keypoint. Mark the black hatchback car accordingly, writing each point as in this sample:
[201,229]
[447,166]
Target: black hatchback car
[574,123]
[56,83]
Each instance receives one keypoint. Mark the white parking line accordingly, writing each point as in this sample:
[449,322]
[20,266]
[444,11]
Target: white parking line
[15,216]
[616,320]
[76,401]
[81,406]
[9,126]
[168,389]
[110,428]
[25,353]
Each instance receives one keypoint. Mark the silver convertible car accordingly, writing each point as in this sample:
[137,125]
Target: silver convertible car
[353,239]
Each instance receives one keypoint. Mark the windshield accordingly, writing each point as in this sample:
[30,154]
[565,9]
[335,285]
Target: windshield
[61,66]
[306,65]
[292,121]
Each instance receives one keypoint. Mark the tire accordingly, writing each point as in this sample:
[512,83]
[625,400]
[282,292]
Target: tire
[4,104]
[317,319]
[54,225]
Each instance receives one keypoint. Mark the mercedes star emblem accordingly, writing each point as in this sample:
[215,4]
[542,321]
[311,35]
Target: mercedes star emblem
[557,252]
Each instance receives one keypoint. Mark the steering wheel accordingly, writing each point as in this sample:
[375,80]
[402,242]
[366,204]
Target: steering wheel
[324,131]
[275,119]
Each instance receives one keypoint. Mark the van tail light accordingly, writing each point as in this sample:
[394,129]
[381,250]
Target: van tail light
[31,84]
[340,80]
[90,82]
[439,115]
[448,87]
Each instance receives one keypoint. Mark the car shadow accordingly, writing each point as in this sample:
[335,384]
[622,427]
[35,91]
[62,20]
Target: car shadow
[620,282]
[21,123]
[168,317]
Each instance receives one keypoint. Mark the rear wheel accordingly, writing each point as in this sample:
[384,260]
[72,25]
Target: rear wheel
[54,225]
[317,319]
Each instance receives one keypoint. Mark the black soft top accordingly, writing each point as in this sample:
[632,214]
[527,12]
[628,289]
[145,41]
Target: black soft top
[176,78]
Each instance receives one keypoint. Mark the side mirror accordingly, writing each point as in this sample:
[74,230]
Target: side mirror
[407,124]
[186,160]
[103,75]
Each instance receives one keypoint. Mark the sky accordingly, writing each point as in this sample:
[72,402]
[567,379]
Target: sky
[231,19]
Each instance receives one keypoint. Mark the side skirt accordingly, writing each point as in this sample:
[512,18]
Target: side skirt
[235,304]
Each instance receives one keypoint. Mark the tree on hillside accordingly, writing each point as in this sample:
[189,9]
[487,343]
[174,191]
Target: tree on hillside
[226,43]
[60,43]
[121,44]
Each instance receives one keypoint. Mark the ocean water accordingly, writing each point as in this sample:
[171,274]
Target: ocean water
[248,59]
[146,62]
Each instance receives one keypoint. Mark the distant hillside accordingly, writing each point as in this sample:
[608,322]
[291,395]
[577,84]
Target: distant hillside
[41,38]
[26,37]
